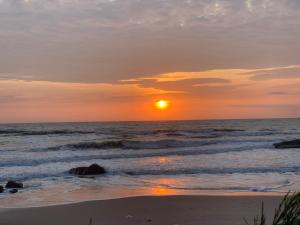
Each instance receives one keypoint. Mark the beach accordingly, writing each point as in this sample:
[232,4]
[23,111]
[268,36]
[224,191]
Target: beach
[150,210]
[184,172]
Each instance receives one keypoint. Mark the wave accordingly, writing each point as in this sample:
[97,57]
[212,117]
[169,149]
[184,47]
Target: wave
[226,130]
[134,155]
[63,175]
[28,176]
[199,133]
[284,183]
[170,144]
[185,171]
[97,145]
[134,145]
[158,144]
[170,132]
[163,144]
[16,132]
[204,133]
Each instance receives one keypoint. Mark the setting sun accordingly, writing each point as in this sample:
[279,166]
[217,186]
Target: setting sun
[162,104]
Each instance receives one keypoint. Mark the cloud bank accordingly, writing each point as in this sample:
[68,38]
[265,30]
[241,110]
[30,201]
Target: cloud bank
[109,40]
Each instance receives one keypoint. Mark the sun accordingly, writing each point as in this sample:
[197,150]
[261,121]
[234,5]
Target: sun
[162,104]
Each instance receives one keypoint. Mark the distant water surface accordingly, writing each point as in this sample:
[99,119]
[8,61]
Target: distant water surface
[147,158]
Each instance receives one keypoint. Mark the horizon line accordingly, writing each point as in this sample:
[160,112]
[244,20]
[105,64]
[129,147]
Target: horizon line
[136,121]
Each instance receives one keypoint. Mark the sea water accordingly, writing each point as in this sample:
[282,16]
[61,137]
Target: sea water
[147,158]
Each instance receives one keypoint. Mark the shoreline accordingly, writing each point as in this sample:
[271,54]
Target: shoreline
[152,210]
[191,194]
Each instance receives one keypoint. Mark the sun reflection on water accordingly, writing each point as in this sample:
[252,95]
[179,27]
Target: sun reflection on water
[162,159]
[161,191]
[162,186]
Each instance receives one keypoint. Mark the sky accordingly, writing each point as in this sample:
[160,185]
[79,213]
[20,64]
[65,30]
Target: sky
[99,60]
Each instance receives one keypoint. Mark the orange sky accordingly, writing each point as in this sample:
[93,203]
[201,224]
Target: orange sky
[199,95]
[67,60]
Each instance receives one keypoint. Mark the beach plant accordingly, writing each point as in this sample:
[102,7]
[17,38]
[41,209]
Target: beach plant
[287,213]
[259,219]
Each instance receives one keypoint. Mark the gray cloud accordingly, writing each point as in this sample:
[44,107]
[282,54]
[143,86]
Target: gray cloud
[282,73]
[109,40]
[184,85]
[271,106]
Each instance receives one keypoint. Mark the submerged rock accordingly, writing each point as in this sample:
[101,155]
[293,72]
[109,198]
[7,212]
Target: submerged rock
[93,169]
[1,189]
[288,144]
[13,191]
[13,184]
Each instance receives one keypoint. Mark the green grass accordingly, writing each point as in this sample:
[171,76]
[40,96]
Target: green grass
[287,213]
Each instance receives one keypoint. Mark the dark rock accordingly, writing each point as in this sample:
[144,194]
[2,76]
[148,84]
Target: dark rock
[13,191]
[1,189]
[288,144]
[93,169]
[13,184]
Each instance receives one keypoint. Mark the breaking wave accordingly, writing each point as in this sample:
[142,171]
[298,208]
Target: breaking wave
[135,154]
[248,170]
[41,132]
[159,144]
[126,144]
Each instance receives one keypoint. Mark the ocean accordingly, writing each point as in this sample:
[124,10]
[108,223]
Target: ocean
[147,158]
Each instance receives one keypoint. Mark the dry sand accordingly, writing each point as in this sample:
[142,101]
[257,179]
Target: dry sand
[160,210]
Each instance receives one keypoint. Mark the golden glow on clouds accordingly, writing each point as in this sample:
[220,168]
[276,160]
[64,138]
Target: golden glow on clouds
[240,97]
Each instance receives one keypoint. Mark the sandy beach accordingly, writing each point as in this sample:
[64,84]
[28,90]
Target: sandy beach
[150,210]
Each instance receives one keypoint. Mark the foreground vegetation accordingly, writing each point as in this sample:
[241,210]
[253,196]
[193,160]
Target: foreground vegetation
[287,213]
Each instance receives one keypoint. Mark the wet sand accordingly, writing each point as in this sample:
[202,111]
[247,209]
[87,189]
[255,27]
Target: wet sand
[150,210]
